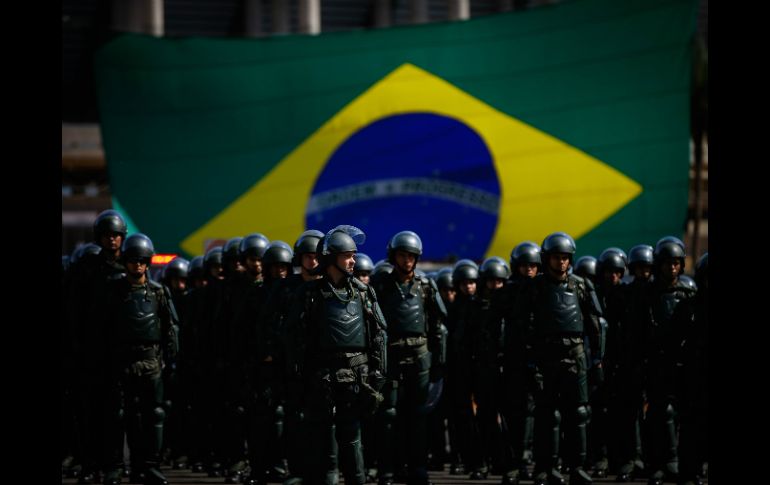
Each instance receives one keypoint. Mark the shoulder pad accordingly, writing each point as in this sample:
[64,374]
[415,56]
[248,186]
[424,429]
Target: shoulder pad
[433,285]
[358,284]
[577,279]
[116,276]
[154,285]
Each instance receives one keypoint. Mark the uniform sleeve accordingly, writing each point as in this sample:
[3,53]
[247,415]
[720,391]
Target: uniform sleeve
[437,333]
[592,312]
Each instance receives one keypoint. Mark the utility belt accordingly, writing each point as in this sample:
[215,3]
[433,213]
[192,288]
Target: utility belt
[134,352]
[563,340]
[346,359]
[408,342]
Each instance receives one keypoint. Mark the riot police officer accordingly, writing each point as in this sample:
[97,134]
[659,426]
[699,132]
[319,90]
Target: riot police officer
[416,355]
[518,401]
[610,269]
[563,309]
[693,432]
[92,268]
[337,347]
[140,323]
[624,364]
[669,311]
[363,268]
[459,386]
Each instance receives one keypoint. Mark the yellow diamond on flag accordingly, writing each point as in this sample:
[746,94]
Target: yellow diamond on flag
[546,185]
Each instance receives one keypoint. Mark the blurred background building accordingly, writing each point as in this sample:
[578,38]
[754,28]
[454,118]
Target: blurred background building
[89,24]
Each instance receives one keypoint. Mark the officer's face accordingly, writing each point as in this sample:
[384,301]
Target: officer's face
[111,241]
[347,261]
[279,270]
[528,270]
[612,276]
[468,287]
[136,267]
[309,261]
[363,276]
[405,261]
[217,271]
[448,294]
[179,284]
[670,268]
[558,263]
[254,265]
[495,283]
[642,271]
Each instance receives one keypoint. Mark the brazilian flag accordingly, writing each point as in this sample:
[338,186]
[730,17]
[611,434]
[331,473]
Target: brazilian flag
[476,134]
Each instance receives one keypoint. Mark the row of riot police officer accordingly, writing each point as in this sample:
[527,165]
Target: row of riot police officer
[279,363]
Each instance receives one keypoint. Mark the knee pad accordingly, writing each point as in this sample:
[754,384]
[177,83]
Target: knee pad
[583,414]
[670,411]
[279,412]
[158,414]
[389,414]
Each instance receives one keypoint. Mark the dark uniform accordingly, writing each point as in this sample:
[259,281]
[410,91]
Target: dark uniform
[95,265]
[624,366]
[668,312]
[414,312]
[693,432]
[563,311]
[337,347]
[139,326]
[518,402]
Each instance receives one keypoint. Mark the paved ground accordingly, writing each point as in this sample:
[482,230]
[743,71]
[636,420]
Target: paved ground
[438,478]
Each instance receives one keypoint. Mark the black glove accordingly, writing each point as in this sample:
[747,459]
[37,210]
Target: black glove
[437,373]
[535,378]
[596,376]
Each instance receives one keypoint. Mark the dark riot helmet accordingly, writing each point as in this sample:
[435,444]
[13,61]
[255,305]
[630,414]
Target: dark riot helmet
[307,242]
[137,246]
[444,278]
[585,267]
[230,251]
[83,251]
[702,270]
[669,247]
[612,258]
[109,221]
[382,266]
[495,268]
[213,256]
[465,269]
[559,242]
[195,270]
[640,254]
[277,252]
[176,268]
[525,252]
[407,241]
[341,239]
[688,282]
[363,263]
[253,245]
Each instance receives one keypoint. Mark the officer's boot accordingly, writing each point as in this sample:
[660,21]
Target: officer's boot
[154,437]
[625,472]
[351,456]
[672,460]
[510,478]
[578,476]
[153,476]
